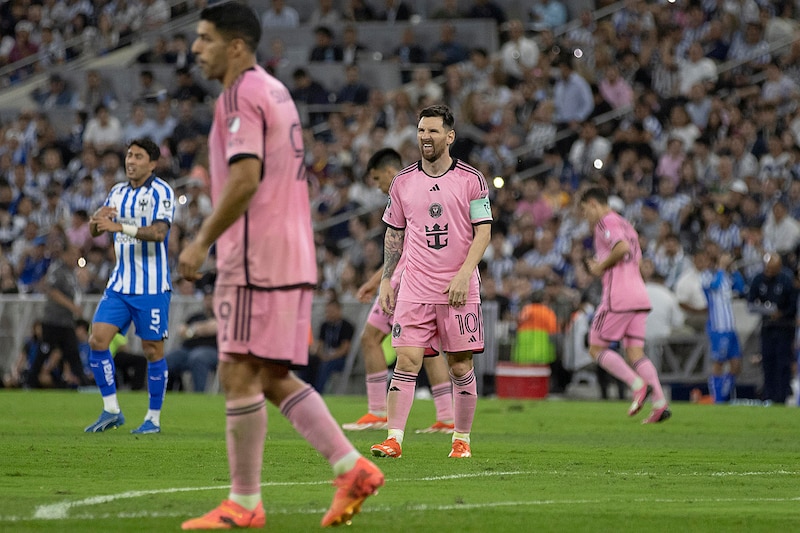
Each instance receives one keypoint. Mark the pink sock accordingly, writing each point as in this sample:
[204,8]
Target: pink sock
[616,366]
[465,398]
[309,415]
[443,400]
[400,398]
[376,392]
[645,368]
[246,429]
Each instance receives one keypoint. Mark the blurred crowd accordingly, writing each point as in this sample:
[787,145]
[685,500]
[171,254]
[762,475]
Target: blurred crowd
[686,111]
[40,35]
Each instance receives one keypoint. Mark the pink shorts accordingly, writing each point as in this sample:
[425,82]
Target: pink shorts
[626,327]
[379,319]
[273,325]
[458,329]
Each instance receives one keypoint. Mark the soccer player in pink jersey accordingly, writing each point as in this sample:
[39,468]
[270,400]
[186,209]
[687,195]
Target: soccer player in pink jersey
[439,218]
[266,270]
[382,167]
[624,305]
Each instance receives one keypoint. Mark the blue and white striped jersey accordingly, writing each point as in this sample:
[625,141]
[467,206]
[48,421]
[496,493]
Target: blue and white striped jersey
[142,266]
[718,286]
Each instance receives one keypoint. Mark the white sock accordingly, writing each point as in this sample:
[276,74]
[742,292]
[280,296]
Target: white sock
[248,501]
[110,404]
[461,436]
[346,463]
[397,434]
[154,416]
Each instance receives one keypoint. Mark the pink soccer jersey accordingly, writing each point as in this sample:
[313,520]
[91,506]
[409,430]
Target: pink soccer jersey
[623,287]
[272,245]
[437,214]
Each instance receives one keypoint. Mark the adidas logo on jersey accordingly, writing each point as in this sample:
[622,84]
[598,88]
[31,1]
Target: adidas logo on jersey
[434,188]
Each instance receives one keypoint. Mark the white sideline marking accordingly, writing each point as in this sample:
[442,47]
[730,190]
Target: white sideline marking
[58,511]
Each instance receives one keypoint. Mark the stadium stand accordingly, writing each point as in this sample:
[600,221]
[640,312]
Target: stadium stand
[510,131]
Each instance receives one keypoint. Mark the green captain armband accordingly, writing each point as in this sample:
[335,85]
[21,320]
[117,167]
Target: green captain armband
[480,209]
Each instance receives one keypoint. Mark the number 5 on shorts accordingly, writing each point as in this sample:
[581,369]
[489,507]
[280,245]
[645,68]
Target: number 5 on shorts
[155,320]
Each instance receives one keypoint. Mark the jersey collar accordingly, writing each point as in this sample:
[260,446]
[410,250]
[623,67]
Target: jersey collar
[147,182]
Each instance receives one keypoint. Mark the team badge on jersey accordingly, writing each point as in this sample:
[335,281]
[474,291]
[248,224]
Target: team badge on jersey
[435,210]
[396,330]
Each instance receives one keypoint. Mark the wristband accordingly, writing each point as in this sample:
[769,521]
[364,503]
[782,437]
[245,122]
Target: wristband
[129,230]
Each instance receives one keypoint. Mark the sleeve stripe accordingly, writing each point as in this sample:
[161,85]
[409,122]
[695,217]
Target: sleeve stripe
[232,96]
[466,168]
[408,169]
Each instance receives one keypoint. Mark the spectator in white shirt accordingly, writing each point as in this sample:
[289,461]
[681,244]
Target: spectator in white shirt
[666,315]
[156,13]
[696,69]
[325,14]
[103,131]
[518,54]
[689,291]
[140,125]
[781,231]
[279,15]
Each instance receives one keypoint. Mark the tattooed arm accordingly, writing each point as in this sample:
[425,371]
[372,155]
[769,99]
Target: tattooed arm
[392,250]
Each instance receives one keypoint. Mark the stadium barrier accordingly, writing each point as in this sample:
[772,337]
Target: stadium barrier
[682,358]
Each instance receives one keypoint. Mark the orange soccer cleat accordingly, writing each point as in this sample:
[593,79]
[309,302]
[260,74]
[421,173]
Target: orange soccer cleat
[368,421]
[229,515]
[354,486]
[460,449]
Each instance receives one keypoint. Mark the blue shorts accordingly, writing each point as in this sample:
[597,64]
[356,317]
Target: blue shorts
[148,312]
[724,346]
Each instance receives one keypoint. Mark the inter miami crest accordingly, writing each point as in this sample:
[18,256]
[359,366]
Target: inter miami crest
[396,330]
[435,210]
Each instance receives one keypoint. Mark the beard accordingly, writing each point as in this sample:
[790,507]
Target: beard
[434,155]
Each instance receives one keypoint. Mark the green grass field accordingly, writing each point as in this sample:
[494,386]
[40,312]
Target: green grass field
[537,466]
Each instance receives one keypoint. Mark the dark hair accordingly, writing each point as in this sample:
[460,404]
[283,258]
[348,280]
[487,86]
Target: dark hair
[235,21]
[595,193]
[147,144]
[383,158]
[323,30]
[439,110]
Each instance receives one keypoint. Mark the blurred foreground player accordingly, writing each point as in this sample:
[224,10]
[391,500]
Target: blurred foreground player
[266,271]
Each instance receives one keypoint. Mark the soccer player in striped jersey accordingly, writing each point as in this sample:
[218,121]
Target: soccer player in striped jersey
[439,217]
[266,271]
[719,286]
[139,213]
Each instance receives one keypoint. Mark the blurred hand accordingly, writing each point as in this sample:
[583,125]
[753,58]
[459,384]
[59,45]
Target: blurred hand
[191,259]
